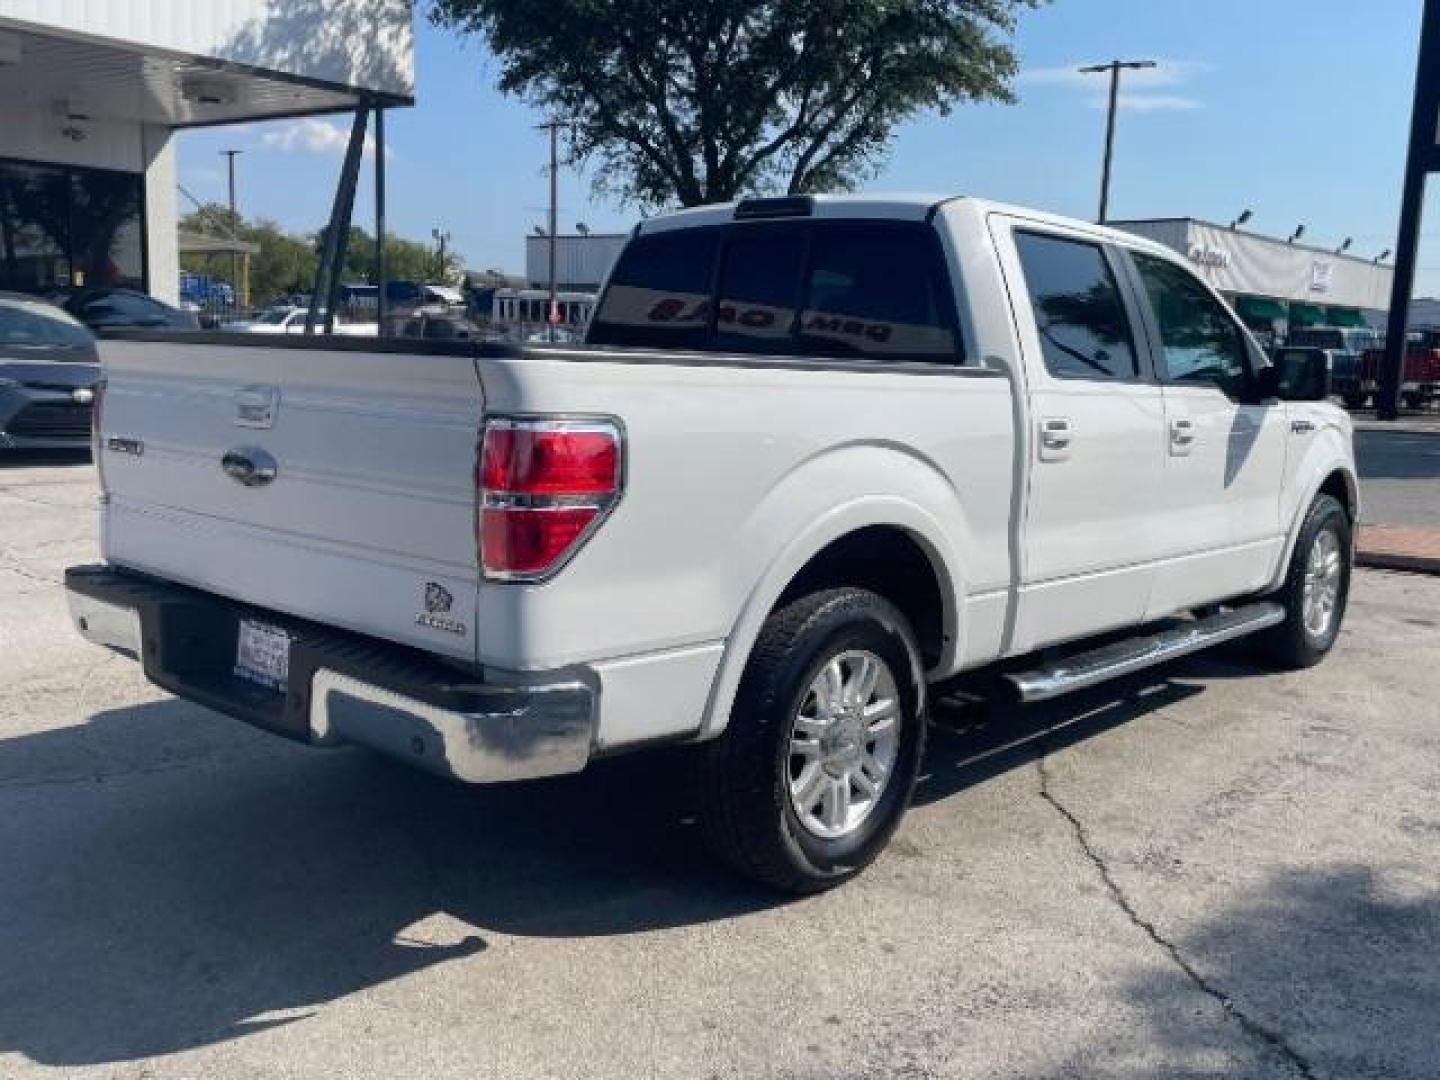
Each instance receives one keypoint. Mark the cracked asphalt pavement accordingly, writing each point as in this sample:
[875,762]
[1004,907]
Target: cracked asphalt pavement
[1207,871]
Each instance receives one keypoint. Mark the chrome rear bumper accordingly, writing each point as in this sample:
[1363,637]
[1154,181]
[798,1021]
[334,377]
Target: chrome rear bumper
[523,733]
[343,689]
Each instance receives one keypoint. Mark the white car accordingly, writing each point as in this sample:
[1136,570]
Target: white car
[818,455]
[291,320]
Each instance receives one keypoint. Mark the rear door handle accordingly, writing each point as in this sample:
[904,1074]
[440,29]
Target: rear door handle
[1056,433]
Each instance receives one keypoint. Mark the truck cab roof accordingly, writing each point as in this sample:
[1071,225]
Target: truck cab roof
[897,206]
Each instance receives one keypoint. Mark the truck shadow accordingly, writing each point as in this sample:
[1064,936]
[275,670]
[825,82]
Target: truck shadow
[172,879]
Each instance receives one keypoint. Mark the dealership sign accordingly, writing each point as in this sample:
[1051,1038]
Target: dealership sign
[1212,257]
[1320,273]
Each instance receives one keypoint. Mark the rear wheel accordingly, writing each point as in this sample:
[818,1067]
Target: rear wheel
[1316,588]
[816,768]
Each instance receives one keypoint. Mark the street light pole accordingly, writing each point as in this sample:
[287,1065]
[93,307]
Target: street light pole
[1114,67]
[552,313]
[234,223]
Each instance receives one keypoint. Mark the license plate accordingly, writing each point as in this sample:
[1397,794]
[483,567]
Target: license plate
[262,654]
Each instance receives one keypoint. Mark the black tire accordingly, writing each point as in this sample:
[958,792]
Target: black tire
[1291,644]
[746,808]
[1355,402]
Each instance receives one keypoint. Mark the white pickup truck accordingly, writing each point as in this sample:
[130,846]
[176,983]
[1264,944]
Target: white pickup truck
[817,455]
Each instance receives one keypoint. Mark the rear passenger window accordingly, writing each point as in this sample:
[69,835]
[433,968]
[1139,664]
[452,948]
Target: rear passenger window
[659,293]
[1079,315]
[759,285]
[877,290]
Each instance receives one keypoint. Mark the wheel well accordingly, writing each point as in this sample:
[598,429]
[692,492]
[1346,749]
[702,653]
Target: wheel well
[1337,485]
[888,561]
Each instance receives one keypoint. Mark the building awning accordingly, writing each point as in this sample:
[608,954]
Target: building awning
[200,244]
[1259,308]
[68,80]
[1307,315]
[1343,316]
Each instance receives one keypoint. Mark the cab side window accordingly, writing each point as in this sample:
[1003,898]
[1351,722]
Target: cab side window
[1200,343]
[1079,315]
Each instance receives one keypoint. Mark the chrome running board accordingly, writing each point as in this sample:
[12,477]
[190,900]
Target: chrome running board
[1078,671]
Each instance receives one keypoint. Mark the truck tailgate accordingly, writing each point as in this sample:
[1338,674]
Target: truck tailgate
[369,520]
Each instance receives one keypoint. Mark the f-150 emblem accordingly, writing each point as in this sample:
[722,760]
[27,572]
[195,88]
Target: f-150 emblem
[438,602]
[437,598]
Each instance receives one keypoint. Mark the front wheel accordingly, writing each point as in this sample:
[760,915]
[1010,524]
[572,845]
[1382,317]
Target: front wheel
[1316,589]
[816,768]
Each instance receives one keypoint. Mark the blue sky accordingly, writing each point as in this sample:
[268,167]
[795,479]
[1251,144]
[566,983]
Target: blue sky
[1296,109]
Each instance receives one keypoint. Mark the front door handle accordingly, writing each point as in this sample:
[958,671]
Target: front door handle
[1182,436]
[1056,433]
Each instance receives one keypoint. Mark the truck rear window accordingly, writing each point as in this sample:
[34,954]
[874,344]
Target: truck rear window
[875,290]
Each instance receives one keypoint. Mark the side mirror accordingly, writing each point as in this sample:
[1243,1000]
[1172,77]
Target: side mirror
[1298,375]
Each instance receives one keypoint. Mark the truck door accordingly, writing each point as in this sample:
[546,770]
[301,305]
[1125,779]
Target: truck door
[1096,445]
[1219,532]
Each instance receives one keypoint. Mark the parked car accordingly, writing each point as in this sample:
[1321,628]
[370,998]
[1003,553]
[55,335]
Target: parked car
[446,326]
[113,309]
[804,470]
[1345,346]
[48,372]
[291,320]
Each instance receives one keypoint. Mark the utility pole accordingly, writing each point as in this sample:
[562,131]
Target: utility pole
[1114,67]
[381,271]
[1422,158]
[552,315]
[234,223]
[441,238]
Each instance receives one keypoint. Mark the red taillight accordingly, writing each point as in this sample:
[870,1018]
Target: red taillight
[543,484]
[538,461]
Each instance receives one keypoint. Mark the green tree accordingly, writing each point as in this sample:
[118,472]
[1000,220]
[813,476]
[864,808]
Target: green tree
[405,260]
[703,100]
[286,262]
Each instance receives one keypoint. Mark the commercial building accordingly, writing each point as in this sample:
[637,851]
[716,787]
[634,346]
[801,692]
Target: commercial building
[1274,284]
[92,94]
[582,260]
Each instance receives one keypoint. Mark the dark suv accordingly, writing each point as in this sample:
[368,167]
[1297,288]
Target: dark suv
[107,309]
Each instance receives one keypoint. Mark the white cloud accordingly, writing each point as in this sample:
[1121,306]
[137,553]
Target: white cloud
[311,136]
[1151,102]
[1138,84]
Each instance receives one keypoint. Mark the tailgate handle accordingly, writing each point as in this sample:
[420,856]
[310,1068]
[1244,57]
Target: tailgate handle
[249,465]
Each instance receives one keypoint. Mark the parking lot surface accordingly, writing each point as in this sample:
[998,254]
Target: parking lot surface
[1400,471]
[1208,871]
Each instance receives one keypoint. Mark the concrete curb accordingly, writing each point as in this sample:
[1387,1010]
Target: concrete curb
[1393,560]
[1414,549]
